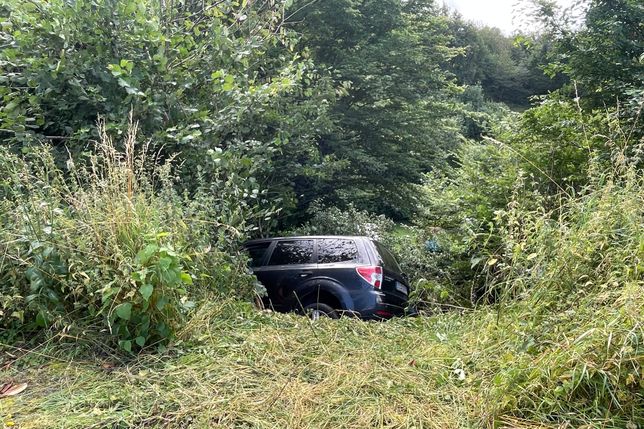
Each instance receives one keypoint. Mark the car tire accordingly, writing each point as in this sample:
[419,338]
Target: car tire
[319,309]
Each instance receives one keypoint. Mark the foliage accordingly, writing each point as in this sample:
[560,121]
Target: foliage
[335,221]
[459,208]
[509,69]
[593,239]
[549,151]
[426,265]
[551,354]
[605,56]
[479,115]
[393,122]
[358,117]
[579,265]
[198,76]
[110,245]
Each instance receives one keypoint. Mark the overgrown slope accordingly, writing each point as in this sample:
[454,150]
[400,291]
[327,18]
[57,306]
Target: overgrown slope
[566,351]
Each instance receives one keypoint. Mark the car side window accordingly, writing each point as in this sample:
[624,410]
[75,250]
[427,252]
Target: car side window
[336,250]
[291,252]
[257,252]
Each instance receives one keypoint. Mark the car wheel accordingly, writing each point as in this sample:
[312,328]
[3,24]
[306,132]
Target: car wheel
[317,310]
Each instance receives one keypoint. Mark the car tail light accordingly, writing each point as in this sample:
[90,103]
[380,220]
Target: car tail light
[383,313]
[373,275]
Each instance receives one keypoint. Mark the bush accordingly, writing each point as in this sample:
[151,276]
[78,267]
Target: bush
[458,209]
[109,244]
[549,152]
[196,77]
[336,221]
[571,283]
[427,264]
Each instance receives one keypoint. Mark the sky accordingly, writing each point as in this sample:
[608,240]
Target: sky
[493,13]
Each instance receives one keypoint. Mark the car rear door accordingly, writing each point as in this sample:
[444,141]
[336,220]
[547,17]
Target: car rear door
[337,259]
[394,281]
[290,263]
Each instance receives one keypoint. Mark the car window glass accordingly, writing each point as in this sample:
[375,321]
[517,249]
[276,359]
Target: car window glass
[387,258]
[292,252]
[334,250]
[256,253]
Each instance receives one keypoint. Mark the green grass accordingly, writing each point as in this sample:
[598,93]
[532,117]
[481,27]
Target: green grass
[235,367]
[563,347]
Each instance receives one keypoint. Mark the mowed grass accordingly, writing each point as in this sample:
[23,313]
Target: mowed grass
[233,366]
[258,370]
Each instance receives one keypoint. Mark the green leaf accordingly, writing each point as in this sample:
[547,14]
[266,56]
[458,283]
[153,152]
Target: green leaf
[140,341]
[145,254]
[161,303]
[41,319]
[165,262]
[127,65]
[124,311]
[186,278]
[10,107]
[475,261]
[229,82]
[146,291]
[126,345]
[115,69]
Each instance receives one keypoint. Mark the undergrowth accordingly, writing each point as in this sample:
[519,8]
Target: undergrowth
[561,348]
[108,245]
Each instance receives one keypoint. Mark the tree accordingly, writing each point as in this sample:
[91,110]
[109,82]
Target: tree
[605,56]
[392,122]
[198,77]
[509,69]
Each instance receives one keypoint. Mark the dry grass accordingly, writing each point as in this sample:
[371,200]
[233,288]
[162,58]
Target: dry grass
[563,348]
[255,371]
[234,367]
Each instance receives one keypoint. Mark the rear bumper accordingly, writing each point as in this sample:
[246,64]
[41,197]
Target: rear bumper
[381,306]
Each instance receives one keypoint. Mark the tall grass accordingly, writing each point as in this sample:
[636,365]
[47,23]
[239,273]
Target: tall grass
[561,348]
[573,282]
[108,243]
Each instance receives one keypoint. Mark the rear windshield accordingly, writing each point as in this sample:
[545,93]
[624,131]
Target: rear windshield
[387,258]
[257,251]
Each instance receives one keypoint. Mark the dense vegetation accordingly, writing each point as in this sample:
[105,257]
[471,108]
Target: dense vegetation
[142,142]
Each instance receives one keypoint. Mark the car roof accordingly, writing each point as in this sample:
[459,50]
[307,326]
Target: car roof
[306,237]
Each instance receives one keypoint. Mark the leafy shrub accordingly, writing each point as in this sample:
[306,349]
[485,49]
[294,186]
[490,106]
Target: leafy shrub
[426,263]
[577,274]
[479,114]
[458,208]
[335,221]
[195,76]
[548,152]
[110,243]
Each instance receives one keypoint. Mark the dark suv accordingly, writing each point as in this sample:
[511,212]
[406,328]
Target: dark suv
[329,276]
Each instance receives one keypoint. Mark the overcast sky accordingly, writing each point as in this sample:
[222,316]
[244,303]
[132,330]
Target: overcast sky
[494,13]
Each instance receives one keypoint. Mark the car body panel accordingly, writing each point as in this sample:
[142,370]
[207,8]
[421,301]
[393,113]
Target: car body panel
[291,286]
